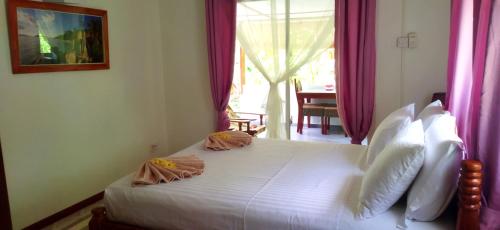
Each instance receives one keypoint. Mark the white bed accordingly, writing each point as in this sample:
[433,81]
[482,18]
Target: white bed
[270,184]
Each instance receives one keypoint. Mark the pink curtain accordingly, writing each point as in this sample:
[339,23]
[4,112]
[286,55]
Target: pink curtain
[473,89]
[488,146]
[355,65]
[221,34]
[460,65]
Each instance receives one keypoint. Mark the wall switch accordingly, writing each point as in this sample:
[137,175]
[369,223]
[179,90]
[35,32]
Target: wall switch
[412,40]
[408,41]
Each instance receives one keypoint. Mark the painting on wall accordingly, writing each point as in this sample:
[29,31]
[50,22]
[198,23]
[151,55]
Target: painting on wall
[48,37]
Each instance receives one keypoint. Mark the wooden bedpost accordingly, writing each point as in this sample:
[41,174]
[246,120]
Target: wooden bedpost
[469,195]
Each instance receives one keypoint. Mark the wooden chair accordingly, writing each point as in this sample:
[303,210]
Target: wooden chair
[245,124]
[330,111]
[306,109]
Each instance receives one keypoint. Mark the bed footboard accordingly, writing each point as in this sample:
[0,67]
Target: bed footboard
[469,195]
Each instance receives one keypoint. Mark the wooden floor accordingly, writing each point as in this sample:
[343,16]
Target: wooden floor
[76,221]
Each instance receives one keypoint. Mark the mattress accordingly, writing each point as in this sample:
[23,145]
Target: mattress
[270,184]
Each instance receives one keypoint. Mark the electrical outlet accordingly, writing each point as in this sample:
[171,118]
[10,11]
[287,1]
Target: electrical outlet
[153,148]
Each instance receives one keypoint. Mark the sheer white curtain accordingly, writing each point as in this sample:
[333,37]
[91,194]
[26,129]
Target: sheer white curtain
[280,36]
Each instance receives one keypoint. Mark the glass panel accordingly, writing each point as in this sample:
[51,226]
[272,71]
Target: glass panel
[275,44]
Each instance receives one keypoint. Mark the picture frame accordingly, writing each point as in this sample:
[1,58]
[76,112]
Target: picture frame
[50,37]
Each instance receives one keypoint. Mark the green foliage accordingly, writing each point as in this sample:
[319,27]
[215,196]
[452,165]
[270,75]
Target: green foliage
[44,44]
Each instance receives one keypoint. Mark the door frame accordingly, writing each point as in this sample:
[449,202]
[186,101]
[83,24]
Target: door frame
[5,220]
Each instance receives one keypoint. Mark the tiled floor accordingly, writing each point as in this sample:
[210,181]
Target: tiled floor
[335,135]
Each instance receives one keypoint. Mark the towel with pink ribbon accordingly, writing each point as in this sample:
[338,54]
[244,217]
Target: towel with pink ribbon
[168,169]
[227,140]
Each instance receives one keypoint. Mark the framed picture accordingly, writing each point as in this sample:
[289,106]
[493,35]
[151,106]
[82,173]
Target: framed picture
[49,37]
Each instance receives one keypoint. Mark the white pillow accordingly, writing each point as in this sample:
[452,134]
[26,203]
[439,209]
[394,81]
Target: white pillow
[387,129]
[437,181]
[428,114]
[392,172]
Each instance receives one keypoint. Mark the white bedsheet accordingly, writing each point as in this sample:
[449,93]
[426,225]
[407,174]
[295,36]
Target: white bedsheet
[270,184]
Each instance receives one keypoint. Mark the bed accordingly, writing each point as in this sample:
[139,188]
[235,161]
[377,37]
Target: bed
[270,184]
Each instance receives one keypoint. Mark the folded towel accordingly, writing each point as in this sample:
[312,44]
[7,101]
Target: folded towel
[168,169]
[227,140]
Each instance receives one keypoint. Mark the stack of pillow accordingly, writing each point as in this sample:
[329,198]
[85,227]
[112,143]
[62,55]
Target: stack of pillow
[405,151]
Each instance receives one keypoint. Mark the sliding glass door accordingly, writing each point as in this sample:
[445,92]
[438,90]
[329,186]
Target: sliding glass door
[277,39]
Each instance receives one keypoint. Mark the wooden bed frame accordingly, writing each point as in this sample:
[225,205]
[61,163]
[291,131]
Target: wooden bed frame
[469,196]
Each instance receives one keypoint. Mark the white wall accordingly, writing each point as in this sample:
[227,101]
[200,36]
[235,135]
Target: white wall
[190,110]
[67,135]
[424,68]
[388,79]
[410,75]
